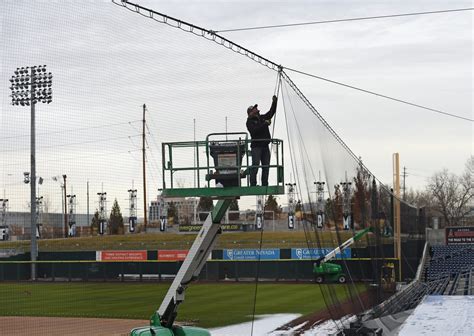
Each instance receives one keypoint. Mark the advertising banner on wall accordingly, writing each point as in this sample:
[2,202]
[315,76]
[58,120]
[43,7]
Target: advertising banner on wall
[315,253]
[251,254]
[172,255]
[121,255]
[197,227]
[460,235]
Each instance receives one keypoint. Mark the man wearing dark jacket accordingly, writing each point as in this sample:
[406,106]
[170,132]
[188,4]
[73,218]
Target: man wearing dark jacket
[257,126]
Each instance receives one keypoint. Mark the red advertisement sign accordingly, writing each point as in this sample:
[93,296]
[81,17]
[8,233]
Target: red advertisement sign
[121,255]
[172,255]
[460,235]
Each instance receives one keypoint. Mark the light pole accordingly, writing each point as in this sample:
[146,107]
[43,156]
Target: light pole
[132,219]
[102,211]
[29,86]
[346,205]
[291,204]
[72,215]
[66,231]
[39,219]
[320,202]
[4,232]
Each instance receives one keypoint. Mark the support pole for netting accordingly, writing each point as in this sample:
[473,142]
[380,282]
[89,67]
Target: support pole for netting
[396,213]
[144,170]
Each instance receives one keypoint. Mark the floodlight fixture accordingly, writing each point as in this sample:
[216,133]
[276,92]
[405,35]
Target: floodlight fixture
[34,79]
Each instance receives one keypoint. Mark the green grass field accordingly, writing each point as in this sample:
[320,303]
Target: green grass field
[208,305]
[181,241]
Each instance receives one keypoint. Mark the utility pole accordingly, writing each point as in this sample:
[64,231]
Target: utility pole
[144,169]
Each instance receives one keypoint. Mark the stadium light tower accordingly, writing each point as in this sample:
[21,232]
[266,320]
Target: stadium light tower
[132,219]
[320,203]
[102,212]
[291,204]
[29,86]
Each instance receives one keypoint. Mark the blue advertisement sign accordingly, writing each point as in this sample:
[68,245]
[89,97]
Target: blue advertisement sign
[251,254]
[315,253]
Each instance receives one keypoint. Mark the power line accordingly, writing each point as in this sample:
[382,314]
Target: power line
[73,143]
[98,154]
[380,95]
[72,129]
[344,20]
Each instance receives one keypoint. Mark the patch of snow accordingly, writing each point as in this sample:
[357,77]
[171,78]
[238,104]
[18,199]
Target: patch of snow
[266,325]
[441,315]
[330,327]
[263,325]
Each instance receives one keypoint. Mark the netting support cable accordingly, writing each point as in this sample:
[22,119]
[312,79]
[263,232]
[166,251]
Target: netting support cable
[328,293]
[379,95]
[344,20]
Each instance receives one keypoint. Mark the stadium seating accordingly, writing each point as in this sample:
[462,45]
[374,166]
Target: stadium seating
[448,271]
[449,261]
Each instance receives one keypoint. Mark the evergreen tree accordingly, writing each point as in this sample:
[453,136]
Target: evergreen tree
[95,223]
[116,220]
[234,206]
[205,205]
[361,196]
[272,205]
[172,211]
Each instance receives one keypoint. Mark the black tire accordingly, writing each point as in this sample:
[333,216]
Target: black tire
[341,279]
[319,279]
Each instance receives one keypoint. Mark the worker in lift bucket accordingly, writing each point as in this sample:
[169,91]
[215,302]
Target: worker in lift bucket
[258,127]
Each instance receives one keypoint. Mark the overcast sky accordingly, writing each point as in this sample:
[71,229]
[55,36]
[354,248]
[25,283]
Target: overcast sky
[107,61]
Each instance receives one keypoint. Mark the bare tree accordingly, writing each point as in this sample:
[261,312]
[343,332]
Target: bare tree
[453,194]
[419,198]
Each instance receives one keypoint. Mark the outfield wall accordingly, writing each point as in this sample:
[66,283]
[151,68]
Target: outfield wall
[214,270]
[274,264]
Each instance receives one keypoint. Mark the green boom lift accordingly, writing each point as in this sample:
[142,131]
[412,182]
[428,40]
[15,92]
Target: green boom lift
[330,272]
[229,169]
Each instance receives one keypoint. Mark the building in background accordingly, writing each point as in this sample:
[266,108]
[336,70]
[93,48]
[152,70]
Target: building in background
[186,209]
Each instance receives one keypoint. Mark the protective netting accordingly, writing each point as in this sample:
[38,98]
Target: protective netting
[339,196]
[106,64]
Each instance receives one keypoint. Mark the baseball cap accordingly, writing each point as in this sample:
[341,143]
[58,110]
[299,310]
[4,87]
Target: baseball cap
[251,107]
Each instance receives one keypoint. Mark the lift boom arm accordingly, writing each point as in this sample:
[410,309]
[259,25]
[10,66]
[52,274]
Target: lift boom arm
[343,246]
[193,263]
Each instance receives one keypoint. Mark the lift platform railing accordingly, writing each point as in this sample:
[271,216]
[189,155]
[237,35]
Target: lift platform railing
[220,166]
